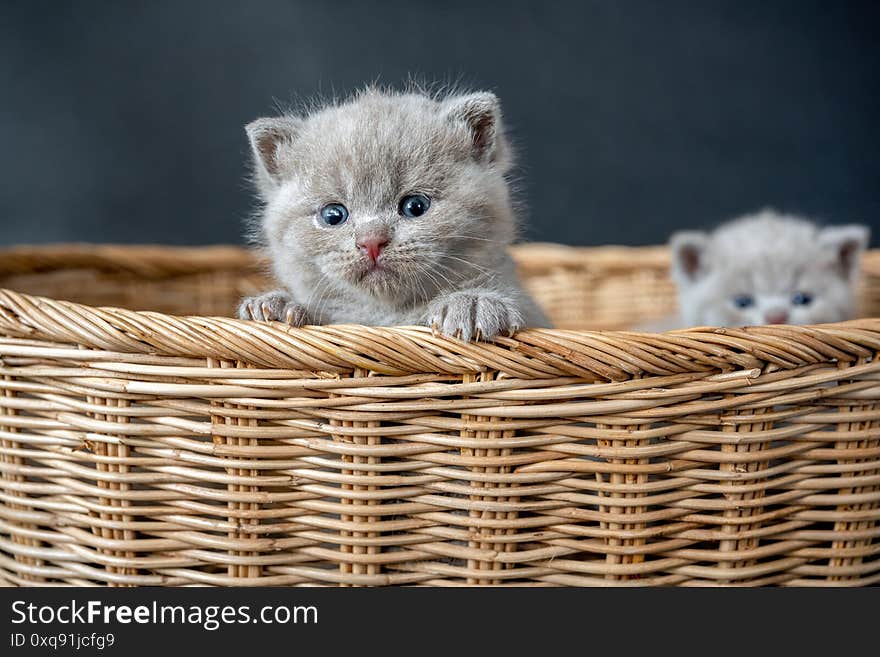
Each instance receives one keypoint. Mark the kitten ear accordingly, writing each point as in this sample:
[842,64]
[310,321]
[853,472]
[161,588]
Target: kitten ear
[688,255]
[267,137]
[845,245]
[481,112]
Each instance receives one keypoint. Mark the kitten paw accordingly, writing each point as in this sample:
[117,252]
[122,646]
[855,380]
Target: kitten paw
[468,315]
[273,307]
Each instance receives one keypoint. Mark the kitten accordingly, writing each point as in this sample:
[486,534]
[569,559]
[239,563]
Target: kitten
[767,268]
[390,209]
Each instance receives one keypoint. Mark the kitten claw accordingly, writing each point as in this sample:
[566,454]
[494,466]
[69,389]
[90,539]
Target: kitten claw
[474,314]
[273,307]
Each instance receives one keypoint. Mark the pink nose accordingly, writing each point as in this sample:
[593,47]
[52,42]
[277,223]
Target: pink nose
[776,317]
[372,246]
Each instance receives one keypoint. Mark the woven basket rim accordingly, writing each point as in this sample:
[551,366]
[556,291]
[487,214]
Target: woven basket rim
[531,353]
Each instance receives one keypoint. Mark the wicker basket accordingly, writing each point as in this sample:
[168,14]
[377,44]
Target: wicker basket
[143,448]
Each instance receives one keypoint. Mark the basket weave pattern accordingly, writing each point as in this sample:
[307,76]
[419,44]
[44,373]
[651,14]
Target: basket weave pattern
[139,447]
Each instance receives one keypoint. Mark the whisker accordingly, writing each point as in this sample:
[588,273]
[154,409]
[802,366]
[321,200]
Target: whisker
[488,273]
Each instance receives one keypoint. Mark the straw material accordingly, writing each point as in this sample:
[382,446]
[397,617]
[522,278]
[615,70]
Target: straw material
[143,448]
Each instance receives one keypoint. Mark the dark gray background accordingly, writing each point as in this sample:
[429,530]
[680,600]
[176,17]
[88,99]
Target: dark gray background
[122,121]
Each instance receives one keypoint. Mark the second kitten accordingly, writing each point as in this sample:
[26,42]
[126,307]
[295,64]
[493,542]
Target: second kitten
[767,268]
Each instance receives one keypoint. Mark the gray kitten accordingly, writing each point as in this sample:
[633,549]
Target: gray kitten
[767,268]
[390,209]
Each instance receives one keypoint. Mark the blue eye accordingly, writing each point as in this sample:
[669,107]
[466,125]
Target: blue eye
[743,301]
[414,206]
[334,214]
[802,299]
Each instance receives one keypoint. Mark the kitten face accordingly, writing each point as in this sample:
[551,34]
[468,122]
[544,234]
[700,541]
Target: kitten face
[391,196]
[768,269]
